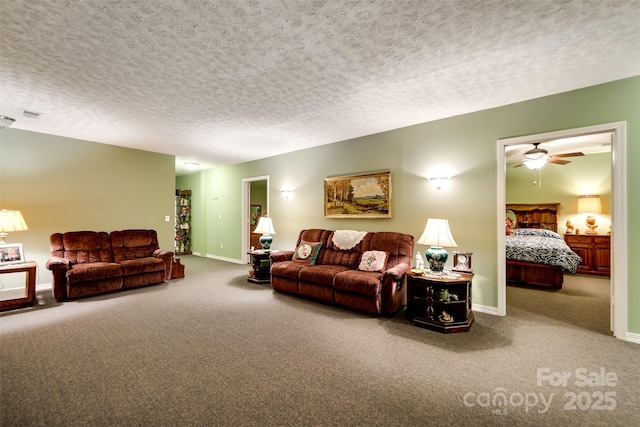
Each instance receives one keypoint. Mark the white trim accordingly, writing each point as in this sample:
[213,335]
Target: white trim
[246,185]
[619,215]
[634,338]
[484,309]
[221,258]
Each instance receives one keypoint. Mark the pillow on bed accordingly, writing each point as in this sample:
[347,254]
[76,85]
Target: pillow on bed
[536,232]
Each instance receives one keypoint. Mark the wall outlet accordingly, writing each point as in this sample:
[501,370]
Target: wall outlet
[167,218]
[221,246]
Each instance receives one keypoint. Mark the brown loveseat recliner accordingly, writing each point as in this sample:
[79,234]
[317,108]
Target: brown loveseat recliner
[335,276]
[87,263]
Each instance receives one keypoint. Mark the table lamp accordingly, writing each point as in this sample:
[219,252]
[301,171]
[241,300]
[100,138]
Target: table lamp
[10,220]
[265,227]
[437,234]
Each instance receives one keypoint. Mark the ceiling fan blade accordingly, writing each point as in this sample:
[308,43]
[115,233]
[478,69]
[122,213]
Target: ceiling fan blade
[558,161]
[518,165]
[576,154]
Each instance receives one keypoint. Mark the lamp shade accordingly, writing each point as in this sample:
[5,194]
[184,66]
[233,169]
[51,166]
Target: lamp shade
[265,226]
[437,233]
[11,221]
[589,205]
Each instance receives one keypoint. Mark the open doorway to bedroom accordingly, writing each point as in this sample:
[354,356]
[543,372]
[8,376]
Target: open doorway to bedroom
[614,213]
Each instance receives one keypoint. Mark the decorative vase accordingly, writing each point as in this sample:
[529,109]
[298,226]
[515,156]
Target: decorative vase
[437,258]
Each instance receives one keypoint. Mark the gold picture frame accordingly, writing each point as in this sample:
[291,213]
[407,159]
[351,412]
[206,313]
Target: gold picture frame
[358,196]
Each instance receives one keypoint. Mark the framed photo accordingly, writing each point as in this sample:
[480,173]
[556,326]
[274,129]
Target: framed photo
[256,213]
[358,196]
[11,253]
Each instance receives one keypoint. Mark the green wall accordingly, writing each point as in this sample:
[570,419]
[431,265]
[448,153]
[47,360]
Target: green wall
[462,146]
[62,184]
[590,174]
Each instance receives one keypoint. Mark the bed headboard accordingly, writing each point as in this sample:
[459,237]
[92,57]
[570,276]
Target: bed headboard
[536,215]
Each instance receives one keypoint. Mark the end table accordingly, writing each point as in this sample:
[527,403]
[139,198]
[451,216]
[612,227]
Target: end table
[15,298]
[440,303]
[261,267]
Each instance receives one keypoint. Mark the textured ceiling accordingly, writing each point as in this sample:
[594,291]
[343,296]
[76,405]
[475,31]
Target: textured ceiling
[222,82]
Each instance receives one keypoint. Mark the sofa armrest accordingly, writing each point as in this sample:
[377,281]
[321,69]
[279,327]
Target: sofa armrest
[57,263]
[397,272]
[167,256]
[58,267]
[394,289]
[281,256]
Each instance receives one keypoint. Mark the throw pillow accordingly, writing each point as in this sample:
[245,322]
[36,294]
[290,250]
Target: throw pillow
[307,252]
[373,261]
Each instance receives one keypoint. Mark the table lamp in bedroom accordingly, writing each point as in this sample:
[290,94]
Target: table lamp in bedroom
[590,205]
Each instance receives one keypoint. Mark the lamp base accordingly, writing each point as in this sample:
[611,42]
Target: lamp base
[265,241]
[437,258]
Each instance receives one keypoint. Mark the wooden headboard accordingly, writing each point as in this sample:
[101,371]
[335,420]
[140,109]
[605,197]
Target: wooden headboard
[536,215]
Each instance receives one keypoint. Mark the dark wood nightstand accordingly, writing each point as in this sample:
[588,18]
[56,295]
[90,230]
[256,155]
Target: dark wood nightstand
[440,303]
[261,272]
[595,251]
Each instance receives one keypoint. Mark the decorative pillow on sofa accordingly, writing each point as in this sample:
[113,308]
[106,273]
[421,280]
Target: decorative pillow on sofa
[373,261]
[307,252]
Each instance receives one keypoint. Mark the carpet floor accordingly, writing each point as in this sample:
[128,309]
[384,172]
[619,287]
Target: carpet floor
[213,349]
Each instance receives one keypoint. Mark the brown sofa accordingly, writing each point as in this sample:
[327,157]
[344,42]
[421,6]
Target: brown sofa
[335,276]
[87,263]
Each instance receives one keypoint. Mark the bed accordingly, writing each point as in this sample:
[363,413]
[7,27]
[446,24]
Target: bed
[536,254]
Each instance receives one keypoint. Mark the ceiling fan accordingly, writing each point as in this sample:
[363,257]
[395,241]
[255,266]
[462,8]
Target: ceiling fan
[537,157]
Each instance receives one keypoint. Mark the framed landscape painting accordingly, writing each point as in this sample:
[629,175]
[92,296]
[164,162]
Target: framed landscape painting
[358,196]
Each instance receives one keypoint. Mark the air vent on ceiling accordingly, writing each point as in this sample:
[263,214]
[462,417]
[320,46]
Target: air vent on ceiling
[31,114]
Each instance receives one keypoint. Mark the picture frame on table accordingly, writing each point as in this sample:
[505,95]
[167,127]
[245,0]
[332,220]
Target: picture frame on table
[358,196]
[11,253]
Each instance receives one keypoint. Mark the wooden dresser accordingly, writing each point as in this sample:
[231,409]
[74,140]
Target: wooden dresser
[595,251]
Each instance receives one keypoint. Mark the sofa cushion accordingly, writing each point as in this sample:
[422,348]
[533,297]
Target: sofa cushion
[322,274]
[93,271]
[373,261]
[307,252]
[80,247]
[142,265]
[289,269]
[133,244]
[359,282]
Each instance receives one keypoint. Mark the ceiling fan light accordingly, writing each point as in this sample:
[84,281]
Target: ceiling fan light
[536,163]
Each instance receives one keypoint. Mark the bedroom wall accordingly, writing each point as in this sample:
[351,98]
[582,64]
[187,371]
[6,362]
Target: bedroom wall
[462,146]
[590,174]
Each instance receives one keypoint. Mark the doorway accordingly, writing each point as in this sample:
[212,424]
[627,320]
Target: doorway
[255,203]
[618,215]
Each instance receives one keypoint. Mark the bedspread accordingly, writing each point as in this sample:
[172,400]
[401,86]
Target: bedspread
[542,247]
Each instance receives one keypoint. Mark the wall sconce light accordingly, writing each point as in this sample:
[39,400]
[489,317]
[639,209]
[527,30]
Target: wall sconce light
[439,181]
[287,194]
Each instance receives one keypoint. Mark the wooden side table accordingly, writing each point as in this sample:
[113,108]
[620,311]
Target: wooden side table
[440,303]
[15,298]
[261,272]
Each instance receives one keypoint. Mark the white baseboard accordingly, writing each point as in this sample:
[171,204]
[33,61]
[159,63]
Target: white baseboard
[485,309]
[233,260]
[631,337]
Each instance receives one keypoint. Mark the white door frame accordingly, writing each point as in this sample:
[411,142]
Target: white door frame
[618,216]
[246,199]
